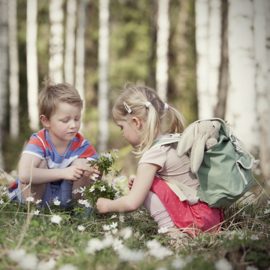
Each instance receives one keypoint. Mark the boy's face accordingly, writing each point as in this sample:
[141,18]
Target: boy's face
[65,123]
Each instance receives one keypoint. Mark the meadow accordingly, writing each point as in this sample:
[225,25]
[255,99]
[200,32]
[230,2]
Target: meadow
[32,238]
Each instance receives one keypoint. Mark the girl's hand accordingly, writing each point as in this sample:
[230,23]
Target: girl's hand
[74,173]
[130,183]
[95,173]
[102,205]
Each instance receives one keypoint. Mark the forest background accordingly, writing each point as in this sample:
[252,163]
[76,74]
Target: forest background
[205,58]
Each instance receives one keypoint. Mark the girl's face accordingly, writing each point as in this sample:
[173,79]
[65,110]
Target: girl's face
[132,130]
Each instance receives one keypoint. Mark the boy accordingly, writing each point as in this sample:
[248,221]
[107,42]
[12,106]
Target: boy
[55,159]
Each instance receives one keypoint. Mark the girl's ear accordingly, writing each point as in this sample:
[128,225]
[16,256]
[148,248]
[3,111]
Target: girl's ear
[137,122]
[44,120]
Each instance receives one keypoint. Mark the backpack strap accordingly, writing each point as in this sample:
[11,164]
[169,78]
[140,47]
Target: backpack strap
[174,138]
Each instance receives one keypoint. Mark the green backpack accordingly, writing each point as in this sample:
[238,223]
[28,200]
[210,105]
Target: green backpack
[225,172]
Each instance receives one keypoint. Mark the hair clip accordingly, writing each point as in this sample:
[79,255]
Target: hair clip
[127,107]
[166,106]
[147,104]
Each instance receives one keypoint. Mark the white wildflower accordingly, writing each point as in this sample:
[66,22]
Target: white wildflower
[94,176]
[1,201]
[108,241]
[49,265]
[163,230]
[29,262]
[16,255]
[75,191]
[30,199]
[114,216]
[158,251]
[3,188]
[36,212]
[81,228]
[126,233]
[68,267]
[115,150]
[102,188]
[38,201]
[113,225]
[106,227]
[251,267]
[117,244]
[153,244]
[268,202]
[223,264]
[56,201]
[94,245]
[178,263]
[69,200]
[133,256]
[56,219]
[92,189]
[122,219]
[254,237]
[114,231]
[267,211]
[82,189]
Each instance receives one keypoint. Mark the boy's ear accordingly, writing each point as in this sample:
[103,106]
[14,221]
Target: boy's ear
[44,120]
[137,122]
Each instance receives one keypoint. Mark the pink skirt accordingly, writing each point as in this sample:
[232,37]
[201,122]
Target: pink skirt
[189,218]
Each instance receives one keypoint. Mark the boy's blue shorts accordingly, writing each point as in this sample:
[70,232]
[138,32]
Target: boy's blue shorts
[61,189]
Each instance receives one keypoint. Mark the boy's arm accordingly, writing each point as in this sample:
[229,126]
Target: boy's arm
[43,175]
[132,201]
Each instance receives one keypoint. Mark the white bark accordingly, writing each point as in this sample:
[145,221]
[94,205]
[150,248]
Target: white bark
[70,41]
[3,73]
[56,40]
[262,63]
[163,32]
[13,70]
[241,100]
[32,74]
[208,45]
[103,65]
[80,49]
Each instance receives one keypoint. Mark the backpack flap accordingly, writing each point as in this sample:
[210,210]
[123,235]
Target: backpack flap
[225,174]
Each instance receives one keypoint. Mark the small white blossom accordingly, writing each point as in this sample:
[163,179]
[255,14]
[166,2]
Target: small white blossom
[30,199]
[133,256]
[68,267]
[113,225]
[114,231]
[251,267]
[117,244]
[16,255]
[102,188]
[126,233]
[56,201]
[115,150]
[29,262]
[75,191]
[38,201]
[254,237]
[69,200]
[179,263]
[92,189]
[106,227]
[163,230]
[49,265]
[223,264]
[81,228]
[267,211]
[56,219]
[1,201]
[158,251]
[94,245]
[122,219]
[114,216]
[36,212]
[3,188]
[94,176]
[268,202]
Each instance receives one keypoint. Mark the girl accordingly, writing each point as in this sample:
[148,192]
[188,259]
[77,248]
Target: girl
[140,114]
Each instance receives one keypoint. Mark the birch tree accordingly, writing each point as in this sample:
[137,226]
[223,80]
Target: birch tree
[262,78]
[13,70]
[163,26]
[103,65]
[241,110]
[208,44]
[56,40]
[32,67]
[80,49]
[70,41]
[3,73]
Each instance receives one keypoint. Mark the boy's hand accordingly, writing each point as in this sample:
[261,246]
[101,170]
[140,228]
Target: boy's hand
[130,183]
[74,173]
[95,173]
[102,205]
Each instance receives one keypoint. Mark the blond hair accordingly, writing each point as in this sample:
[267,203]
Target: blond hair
[154,116]
[51,94]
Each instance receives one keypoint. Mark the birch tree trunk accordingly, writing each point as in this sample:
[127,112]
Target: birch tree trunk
[80,49]
[32,67]
[56,40]
[163,32]
[262,63]
[13,70]
[241,101]
[208,44]
[70,41]
[103,66]
[3,74]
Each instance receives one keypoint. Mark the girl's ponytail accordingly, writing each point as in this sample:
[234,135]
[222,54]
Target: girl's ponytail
[177,123]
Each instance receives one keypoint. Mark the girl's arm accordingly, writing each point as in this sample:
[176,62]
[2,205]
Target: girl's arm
[132,201]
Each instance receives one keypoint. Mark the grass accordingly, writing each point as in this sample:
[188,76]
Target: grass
[243,243]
